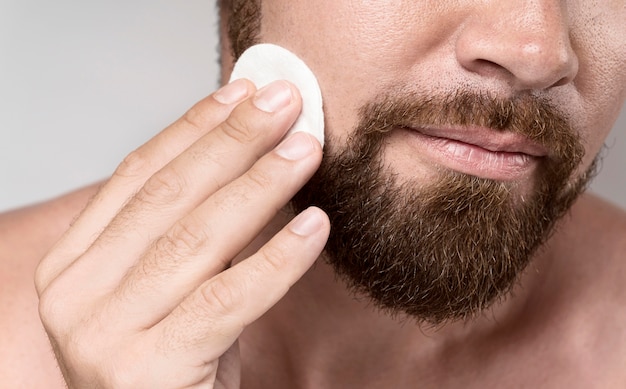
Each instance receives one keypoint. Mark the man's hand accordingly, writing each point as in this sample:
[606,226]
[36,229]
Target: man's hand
[136,295]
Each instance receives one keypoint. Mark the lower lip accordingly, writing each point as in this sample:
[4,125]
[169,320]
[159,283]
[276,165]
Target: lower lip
[473,160]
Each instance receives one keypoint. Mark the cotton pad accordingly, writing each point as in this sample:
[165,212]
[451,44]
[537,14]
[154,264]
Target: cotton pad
[266,62]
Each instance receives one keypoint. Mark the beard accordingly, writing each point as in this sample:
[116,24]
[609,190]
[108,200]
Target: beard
[449,248]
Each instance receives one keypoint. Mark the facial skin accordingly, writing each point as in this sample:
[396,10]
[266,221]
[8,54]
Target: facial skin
[562,57]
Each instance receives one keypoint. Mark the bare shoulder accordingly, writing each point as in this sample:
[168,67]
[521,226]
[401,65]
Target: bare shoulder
[26,359]
[592,247]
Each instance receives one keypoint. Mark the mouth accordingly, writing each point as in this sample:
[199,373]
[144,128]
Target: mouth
[478,151]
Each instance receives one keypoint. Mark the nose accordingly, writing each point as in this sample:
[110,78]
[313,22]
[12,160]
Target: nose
[527,43]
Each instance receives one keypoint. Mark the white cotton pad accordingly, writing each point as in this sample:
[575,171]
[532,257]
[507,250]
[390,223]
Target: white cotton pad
[266,62]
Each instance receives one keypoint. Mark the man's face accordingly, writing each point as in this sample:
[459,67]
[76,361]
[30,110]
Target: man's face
[457,133]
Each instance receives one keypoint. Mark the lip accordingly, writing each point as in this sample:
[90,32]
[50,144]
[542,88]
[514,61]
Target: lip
[478,151]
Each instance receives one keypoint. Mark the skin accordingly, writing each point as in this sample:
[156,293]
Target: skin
[130,313]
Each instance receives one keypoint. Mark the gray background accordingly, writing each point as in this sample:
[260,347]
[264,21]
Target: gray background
[83,83]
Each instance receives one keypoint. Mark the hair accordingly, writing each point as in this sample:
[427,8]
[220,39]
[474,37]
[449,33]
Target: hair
[241,21]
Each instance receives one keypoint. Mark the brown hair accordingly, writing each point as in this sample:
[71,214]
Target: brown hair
[243,18]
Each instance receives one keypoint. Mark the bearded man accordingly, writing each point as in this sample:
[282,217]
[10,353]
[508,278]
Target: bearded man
[460,138]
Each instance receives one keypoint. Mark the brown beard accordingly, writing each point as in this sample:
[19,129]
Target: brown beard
[443,250]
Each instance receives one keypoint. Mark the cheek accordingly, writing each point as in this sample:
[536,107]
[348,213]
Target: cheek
[356,48]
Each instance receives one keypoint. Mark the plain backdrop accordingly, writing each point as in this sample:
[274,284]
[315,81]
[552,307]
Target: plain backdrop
[82,83]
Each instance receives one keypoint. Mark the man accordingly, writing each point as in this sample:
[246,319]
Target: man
[459,138]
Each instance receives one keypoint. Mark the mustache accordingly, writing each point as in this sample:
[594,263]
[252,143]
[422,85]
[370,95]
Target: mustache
[533,117]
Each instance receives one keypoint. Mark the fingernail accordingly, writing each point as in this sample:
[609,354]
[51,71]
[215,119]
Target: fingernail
[296,146]
[273,97]
[307,223]
[231,93]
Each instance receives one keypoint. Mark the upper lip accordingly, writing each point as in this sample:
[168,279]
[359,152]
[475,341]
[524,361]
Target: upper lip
[486,138]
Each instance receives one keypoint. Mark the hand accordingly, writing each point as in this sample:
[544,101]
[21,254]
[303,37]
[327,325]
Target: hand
[139,293]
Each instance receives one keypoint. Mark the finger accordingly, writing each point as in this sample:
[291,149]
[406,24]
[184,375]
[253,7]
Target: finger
[209,320]
[209,164]
[204,242]
[134,171]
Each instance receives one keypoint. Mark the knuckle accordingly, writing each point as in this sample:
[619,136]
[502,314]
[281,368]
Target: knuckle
[275,257]
[165,246]
[133,165]
[196,118]
[165,186]
[206,155]
[221,298]
[259,180]
[183,238]
[236,128]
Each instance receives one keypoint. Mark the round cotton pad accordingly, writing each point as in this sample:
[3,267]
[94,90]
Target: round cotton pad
[266,62]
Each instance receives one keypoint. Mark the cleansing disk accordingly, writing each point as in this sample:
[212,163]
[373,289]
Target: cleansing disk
[266,62]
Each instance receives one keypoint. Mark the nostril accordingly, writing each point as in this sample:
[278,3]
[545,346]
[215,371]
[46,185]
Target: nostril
[490,69]
[563,81]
